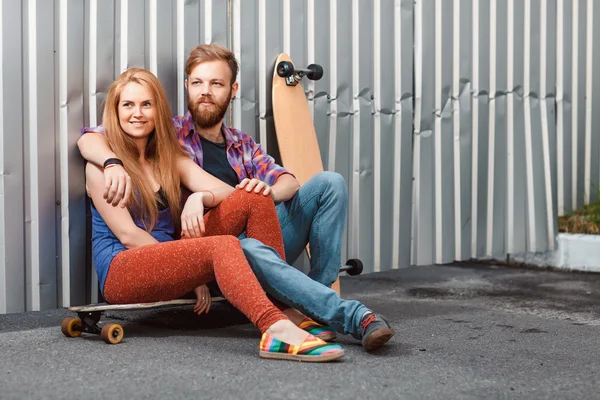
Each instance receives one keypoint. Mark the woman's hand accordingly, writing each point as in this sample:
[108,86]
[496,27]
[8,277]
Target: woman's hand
[192,216]
[203,300]
[117,186]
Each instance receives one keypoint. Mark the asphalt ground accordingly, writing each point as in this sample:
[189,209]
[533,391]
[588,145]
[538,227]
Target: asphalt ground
[464,331]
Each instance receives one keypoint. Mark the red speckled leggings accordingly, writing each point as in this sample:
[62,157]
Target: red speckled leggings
[168,270]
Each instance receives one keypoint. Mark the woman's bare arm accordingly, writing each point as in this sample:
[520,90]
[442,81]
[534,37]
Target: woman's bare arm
[117,184]
[117,219]
[197,180]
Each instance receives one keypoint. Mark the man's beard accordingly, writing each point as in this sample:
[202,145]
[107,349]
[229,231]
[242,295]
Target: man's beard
[207,118]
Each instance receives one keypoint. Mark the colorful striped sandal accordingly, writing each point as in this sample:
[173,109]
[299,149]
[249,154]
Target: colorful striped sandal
[317,330]
[311,350]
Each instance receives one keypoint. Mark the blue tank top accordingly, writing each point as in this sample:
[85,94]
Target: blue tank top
[105,245]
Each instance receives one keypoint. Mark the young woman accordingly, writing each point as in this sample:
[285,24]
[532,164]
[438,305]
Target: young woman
[136,256]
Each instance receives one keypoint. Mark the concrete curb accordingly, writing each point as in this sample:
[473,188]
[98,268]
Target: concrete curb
[575,252]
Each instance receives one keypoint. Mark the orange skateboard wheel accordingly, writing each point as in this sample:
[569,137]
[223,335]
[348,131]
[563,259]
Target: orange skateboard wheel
[112,333]
[71,327]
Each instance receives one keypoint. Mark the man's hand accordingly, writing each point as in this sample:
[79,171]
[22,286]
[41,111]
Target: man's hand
[254,184]
[203,300]
[192,216]
[117,186]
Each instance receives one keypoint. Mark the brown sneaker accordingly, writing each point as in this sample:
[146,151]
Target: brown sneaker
[376,331]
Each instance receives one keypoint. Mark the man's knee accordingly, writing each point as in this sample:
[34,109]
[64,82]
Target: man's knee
[328,180]
[334,184]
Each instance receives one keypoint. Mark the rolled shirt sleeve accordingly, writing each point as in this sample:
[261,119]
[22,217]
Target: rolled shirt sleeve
[98,129]
[265,167]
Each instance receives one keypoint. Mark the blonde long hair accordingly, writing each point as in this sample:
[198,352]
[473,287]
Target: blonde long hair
[162,149]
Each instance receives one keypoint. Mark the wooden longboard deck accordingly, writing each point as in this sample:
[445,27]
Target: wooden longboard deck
[295,131]
[296,136]
[137,306]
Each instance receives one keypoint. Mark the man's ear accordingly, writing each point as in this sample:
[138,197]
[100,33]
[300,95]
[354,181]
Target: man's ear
[234,89]
[185,83]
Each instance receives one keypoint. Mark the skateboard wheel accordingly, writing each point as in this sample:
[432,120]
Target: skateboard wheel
[71,327]
[112,333]
[356,267]
[316,72]
[285,69]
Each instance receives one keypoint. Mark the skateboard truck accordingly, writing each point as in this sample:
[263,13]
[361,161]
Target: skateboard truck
[353,267]
[88,323]
[286,69]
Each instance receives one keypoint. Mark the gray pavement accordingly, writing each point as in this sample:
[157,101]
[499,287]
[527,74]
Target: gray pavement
[463,332]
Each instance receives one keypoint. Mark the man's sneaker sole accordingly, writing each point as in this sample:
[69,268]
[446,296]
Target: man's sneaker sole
[378,338]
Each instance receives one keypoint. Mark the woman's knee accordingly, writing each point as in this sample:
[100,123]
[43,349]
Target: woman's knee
[253,200]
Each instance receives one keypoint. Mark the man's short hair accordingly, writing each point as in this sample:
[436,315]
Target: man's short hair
[212,52]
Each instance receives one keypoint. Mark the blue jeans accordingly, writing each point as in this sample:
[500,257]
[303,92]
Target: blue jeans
[315,215]
[291,287]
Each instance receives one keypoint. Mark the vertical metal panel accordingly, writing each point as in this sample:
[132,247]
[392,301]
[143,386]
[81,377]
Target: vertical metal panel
[137,19]
[578,101]
[333,108]
[70,165]
[384,91]
[518,184]
[340,154]
[40,196]
[444,136]
[165,50]
[589,65]
[577,148]
[319,92]
[236,38]
[465,81]
[510,142]
[192,23]
[354,132]
[475,128]
[456,18]
[262,71]
[3,295]
[595,103]
[180,55]
[423,223]
[102,63]
[403,132]
[363,132]
[497,143]
[248,59]
[12,211]
[547,42]
[529,173]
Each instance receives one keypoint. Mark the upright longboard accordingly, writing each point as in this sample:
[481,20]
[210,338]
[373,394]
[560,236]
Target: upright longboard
[89,316]
[296,136]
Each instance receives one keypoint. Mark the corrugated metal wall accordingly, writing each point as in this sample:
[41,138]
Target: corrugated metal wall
[461,126]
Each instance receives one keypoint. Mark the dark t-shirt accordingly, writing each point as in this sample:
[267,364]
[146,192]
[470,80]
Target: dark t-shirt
[215,162]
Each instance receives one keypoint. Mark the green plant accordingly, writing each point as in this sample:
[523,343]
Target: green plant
[583,220]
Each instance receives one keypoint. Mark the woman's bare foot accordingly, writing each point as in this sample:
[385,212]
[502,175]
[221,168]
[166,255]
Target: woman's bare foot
[294,315]
[286,331]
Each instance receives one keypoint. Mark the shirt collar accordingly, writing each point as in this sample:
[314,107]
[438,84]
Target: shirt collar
[187,124]
[232,138]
